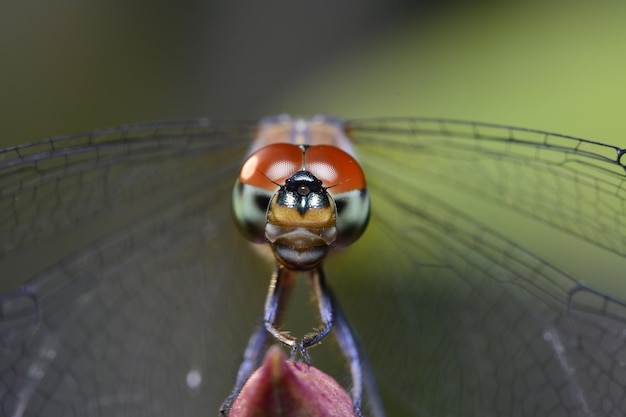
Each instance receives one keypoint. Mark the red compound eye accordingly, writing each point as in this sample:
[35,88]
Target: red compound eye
[334,168]
[271,165]
[275,163]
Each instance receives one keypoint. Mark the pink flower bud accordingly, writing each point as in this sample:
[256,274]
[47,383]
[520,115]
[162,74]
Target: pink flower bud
[280,388]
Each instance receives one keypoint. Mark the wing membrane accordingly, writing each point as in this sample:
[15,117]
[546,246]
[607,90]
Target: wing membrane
[475,322]
[117,238]
[126,280]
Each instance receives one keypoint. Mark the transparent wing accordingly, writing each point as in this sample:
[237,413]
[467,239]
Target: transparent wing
[132,300]
[474,252]
[121,248]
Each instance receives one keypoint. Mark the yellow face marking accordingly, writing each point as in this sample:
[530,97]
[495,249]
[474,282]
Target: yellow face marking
[291,217]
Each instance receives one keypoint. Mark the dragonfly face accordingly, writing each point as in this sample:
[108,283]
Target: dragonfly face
[288,195]
[129,290]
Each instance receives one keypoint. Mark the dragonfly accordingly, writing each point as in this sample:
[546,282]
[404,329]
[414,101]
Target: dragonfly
[129,290]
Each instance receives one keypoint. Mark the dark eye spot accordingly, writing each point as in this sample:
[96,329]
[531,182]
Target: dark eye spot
[341,205]
[262,202]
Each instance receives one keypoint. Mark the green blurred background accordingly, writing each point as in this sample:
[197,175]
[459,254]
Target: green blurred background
[71,65]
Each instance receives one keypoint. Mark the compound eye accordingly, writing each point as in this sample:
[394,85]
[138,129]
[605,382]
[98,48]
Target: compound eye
[271,165]
[337,170]
[259,179]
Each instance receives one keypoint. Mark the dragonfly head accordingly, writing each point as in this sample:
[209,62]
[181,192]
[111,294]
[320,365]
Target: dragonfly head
[302,200]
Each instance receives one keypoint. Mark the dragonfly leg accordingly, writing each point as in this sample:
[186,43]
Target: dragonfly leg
[360,371]
[275,300]
[251,361]
[325,307]
[280,287]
